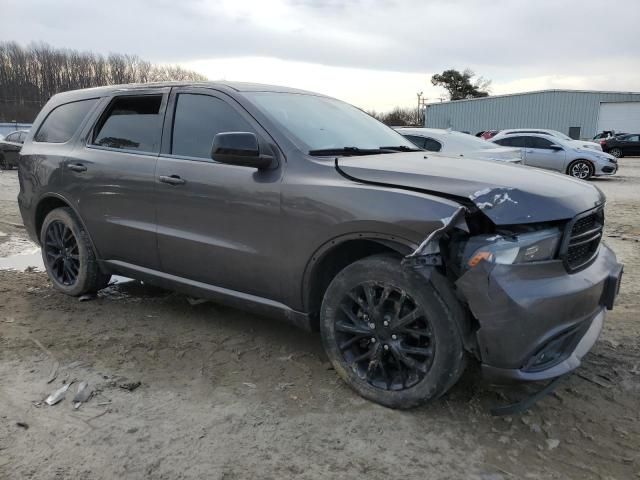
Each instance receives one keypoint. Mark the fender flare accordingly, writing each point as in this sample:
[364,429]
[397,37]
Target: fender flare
[397,243]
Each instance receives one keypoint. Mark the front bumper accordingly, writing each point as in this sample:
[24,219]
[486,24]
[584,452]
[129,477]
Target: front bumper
[536,321]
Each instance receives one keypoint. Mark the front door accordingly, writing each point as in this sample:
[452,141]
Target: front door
[112,176]
[631,145]
[538,153]
[217,223]
[11,148]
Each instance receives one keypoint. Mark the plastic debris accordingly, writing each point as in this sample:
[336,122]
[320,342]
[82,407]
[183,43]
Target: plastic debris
[249,384]
[82,395]
[58,395]
[131,386]
[24,425]
[87,297]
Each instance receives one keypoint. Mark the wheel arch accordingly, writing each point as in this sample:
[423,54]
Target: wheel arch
[334,255]
[50,202]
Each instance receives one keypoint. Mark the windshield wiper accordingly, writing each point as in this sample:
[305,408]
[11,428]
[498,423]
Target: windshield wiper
[349,151]
[402,148]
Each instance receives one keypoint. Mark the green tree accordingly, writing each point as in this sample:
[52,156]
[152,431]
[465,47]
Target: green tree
[459,85]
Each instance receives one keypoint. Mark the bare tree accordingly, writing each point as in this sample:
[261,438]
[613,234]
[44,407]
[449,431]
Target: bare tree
[30,76]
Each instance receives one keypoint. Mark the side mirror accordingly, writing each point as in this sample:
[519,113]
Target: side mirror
[239,148]
[555,147]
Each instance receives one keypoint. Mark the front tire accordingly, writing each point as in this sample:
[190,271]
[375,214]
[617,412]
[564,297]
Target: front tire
[4,164]
[68,255]
[389,334]
[616,152]
[581,169]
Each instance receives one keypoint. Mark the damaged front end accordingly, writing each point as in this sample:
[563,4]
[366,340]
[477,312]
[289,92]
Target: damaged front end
[536,293]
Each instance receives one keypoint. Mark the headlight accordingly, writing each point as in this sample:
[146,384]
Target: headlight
[523,248]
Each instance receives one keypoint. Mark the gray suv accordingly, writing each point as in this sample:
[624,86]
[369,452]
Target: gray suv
[299,206]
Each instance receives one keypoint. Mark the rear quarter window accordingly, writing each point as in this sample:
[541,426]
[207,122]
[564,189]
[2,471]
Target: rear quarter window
[63,121]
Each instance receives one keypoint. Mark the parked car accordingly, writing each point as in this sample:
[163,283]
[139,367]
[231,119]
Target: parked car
[554,153]
[553,133]
[487,134]
[606,134]
[456,144]
[300,206]
[623,145]
[10,148]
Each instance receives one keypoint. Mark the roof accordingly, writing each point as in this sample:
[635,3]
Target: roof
[223,85]
[534,92]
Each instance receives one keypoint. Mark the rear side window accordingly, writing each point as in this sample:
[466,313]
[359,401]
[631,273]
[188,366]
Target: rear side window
[417,141]
[131,123]
[63,121]
[511,142]
[198,119]
[432,145]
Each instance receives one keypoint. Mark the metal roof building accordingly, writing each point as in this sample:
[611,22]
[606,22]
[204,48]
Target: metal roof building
[577,113]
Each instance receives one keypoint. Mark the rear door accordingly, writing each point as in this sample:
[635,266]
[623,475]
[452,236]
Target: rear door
[112,176]
[217,223]
[538,153]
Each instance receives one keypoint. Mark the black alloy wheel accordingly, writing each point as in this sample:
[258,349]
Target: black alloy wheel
[385,336]
[62,253]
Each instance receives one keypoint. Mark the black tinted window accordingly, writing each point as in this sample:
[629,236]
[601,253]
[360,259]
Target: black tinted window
[198,119]
[511,142]
[539,142]
[432,145]
[132,123]
[63,121]
[417,141]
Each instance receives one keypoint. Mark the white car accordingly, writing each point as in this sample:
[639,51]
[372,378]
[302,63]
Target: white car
[553,133]
[553,153]
[459,144]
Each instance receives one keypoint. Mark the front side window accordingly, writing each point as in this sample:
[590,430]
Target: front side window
[539,142]
[132,123]
[198,119]
[63,121]
[319,123]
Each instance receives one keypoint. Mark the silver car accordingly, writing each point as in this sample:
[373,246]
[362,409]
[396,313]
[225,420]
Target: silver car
[553,133]
[459,144]
[553,153]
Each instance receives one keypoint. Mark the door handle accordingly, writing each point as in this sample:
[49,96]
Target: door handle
[172,179]
[77,167]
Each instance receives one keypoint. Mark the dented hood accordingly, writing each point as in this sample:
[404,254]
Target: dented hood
[508,194]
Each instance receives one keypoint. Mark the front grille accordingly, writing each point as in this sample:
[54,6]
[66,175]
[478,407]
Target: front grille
[583,239]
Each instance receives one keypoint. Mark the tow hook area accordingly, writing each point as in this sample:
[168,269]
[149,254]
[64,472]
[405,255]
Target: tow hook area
[428,252]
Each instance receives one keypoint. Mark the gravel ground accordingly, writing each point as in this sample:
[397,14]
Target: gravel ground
[226,394]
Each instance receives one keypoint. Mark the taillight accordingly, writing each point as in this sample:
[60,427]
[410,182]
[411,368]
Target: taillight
[603,141]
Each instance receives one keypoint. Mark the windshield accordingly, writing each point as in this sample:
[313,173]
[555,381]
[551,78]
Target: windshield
[463,141]
[321,123]
[561,135]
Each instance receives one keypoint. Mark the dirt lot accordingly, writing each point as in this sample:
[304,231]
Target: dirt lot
[225,394]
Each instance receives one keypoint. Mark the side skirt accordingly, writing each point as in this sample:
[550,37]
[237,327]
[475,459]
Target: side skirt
[232,298]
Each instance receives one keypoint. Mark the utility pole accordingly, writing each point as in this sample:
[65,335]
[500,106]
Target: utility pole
[418,115]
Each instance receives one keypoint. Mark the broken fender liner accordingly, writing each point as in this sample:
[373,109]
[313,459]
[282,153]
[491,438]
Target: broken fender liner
[527,403]
[428,252]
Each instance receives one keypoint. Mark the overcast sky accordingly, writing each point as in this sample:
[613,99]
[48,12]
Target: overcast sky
[373,53]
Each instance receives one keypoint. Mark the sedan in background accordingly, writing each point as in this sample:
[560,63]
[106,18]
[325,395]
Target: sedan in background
[10,147]
[553,133]
[623,145]
[459,144]
[553,153]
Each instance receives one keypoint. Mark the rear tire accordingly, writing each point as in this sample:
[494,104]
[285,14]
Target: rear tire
[581,169]
[4,165]
[616,152]
[68,255]
[416,356]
